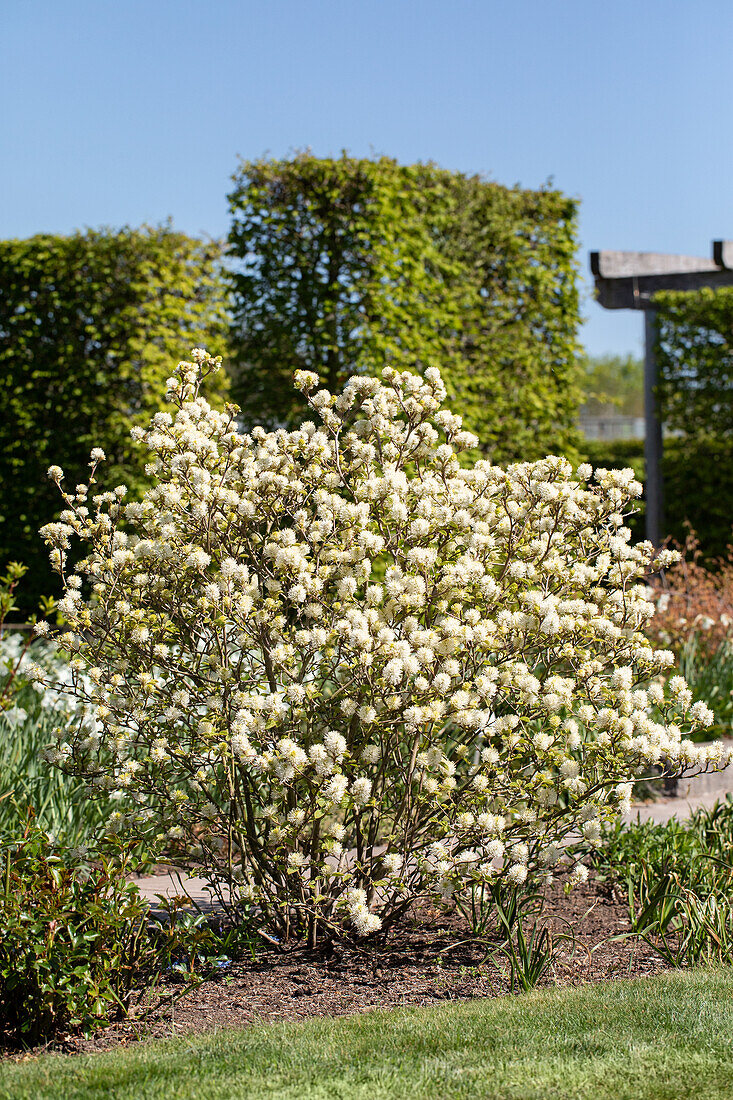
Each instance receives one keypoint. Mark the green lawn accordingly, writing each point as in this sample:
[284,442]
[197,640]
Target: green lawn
[669,1037]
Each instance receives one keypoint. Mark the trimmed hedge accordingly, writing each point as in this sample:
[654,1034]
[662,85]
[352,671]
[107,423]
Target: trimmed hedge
[90,327]
[345,264]
[695,359]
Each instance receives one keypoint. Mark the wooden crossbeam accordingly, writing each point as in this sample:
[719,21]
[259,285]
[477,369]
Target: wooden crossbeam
[621,265]
[723,253]
[628,280]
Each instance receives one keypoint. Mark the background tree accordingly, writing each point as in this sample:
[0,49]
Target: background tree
[613,382]
[345,264]
[91,325]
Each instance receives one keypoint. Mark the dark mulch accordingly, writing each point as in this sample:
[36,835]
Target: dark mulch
[416,964]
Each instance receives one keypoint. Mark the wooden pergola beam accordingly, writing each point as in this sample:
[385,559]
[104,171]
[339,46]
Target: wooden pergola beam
[628,280]
[620,265]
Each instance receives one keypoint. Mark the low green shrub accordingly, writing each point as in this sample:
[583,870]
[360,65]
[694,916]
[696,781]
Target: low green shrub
[76,942]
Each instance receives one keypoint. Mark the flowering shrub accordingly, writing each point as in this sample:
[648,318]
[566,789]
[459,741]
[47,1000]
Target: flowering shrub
[349,672]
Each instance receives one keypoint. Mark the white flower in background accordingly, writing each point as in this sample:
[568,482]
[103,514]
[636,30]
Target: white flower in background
[361,790]
[14,716]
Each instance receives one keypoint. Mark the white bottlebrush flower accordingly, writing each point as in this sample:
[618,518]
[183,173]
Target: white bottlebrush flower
[578,875]
[392,862]
[335,789]
[361,790]
[517,874]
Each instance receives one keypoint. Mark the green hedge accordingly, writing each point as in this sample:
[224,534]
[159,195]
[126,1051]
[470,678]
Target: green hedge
[695,359]
[698,486]
[344,264]
[90,327]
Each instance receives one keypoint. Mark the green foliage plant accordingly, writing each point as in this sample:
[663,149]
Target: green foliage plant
[89,324]
[350,672]
[343,264]
[678,881]
[529,952]
[75,944]
[513,915]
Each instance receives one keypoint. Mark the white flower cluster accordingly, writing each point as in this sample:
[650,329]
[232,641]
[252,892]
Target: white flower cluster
[40,665]
[350,670]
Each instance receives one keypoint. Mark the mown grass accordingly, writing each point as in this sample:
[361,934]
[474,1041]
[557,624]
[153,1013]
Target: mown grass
[665,1038]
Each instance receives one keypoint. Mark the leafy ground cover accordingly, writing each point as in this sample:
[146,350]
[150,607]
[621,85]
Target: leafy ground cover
[429,959]
[677,880]
[664,1038]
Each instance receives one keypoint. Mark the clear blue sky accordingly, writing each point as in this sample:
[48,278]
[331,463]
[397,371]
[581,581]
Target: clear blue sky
[135,110]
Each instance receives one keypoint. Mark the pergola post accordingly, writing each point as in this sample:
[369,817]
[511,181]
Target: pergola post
[652,434]
[629,280]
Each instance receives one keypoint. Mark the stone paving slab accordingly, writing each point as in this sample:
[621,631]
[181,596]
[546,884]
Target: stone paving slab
[171,884]
[692,794]
[664,809]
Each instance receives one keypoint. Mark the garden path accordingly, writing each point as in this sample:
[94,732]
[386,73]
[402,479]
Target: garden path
[692,794]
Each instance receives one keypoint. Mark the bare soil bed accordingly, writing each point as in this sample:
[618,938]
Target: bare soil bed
[415,964]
